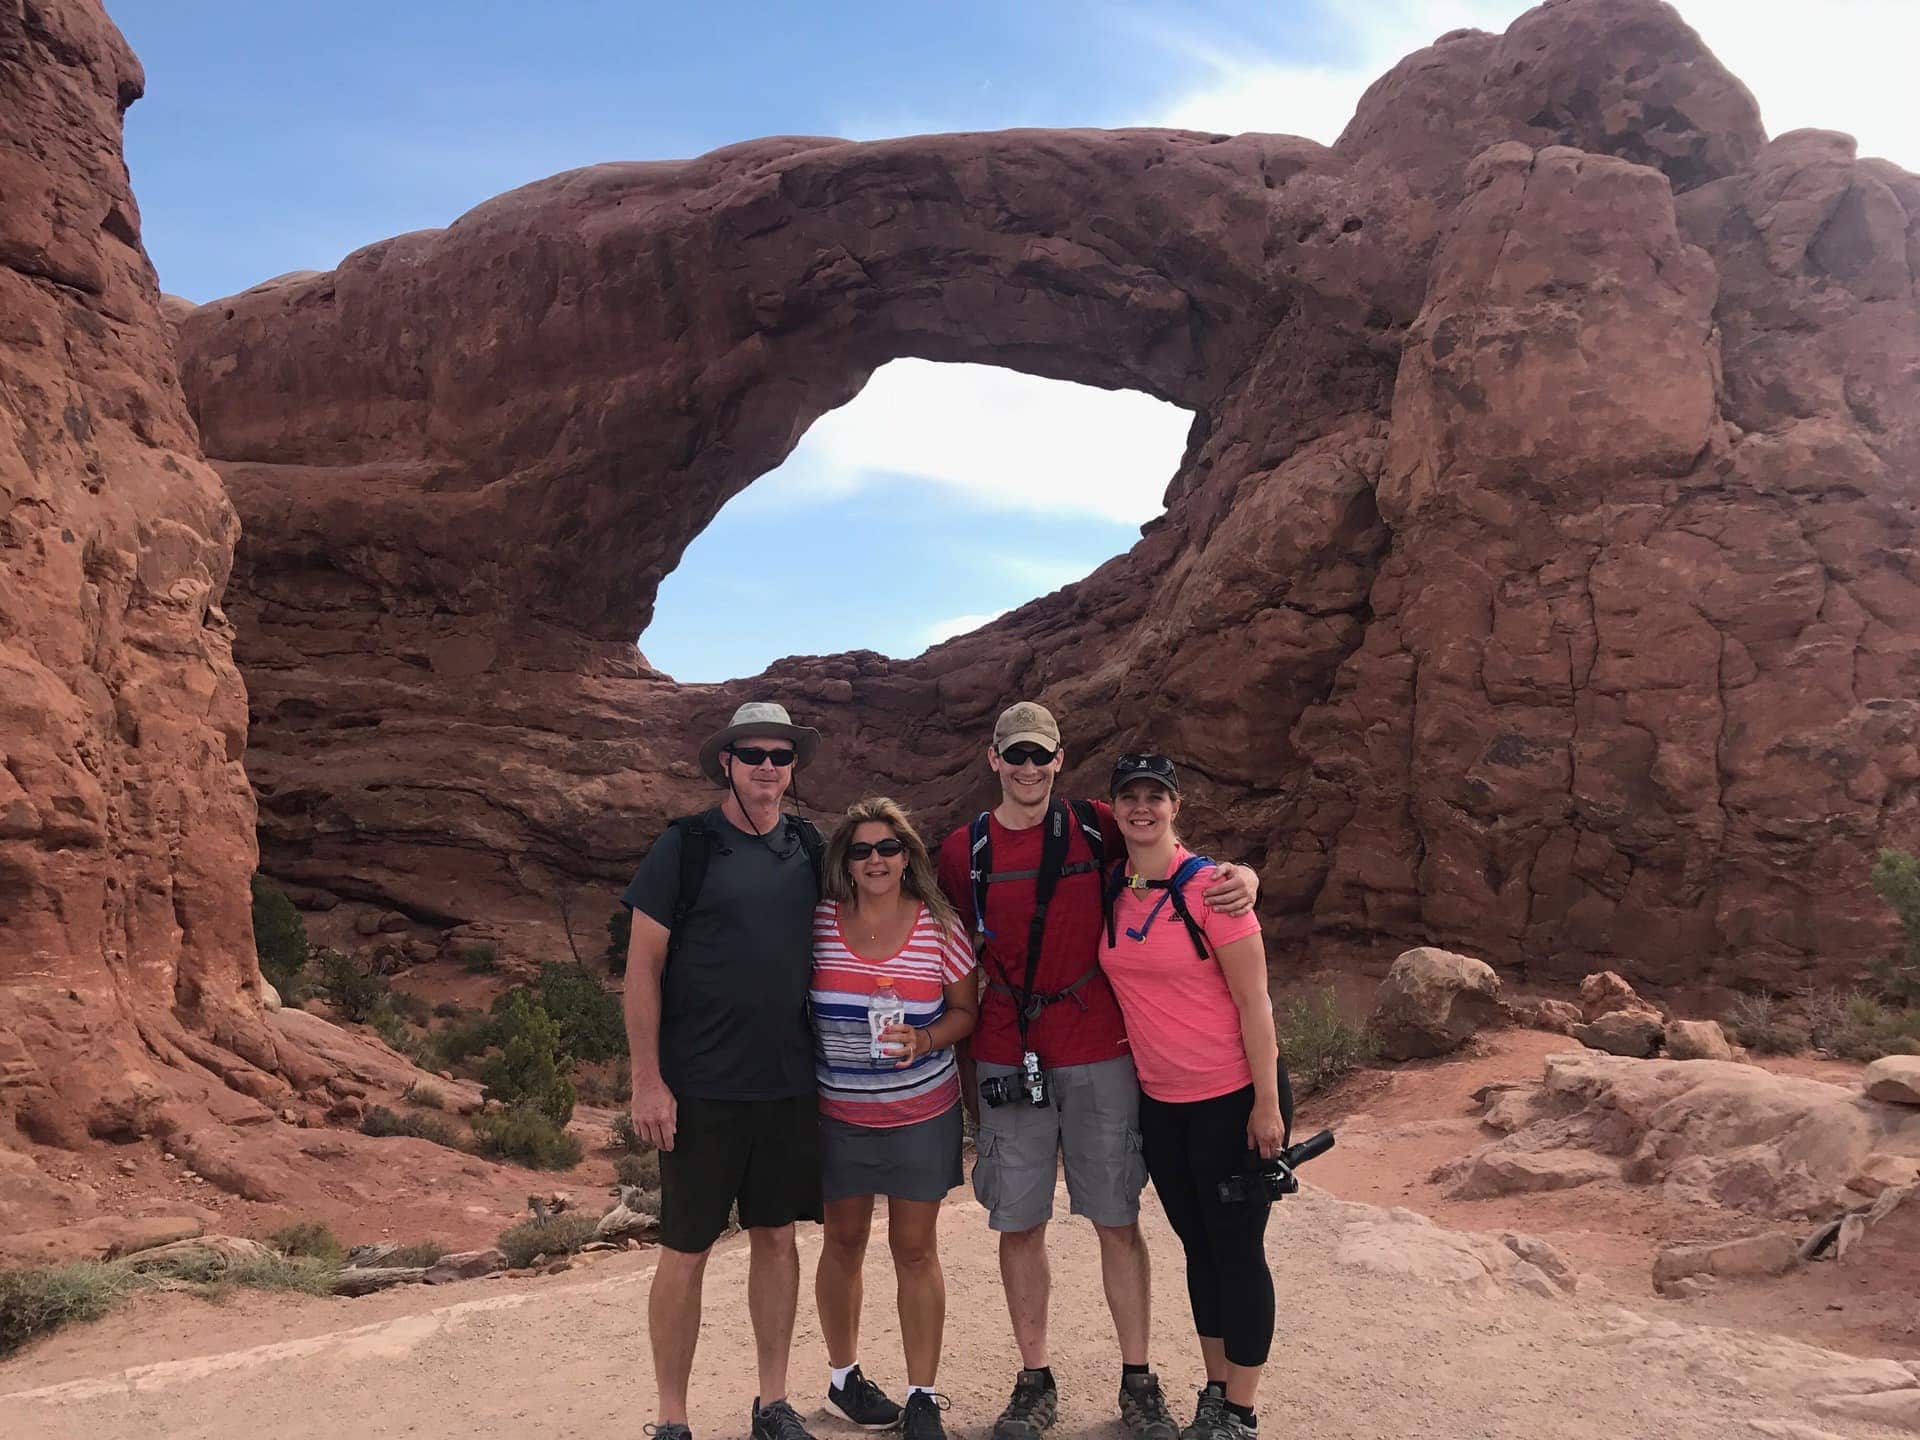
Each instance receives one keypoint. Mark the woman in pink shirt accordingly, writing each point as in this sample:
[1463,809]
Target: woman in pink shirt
[1193,988]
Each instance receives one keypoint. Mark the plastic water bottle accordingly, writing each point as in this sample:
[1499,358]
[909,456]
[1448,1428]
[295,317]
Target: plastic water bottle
[883,1009]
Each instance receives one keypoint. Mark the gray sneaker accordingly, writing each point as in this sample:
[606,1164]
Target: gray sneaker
[668,1430]
[778,1421]
[1210,1416]
[1144,1410]
[1035,1406]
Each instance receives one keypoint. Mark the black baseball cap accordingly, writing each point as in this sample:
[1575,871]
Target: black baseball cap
[1143,767]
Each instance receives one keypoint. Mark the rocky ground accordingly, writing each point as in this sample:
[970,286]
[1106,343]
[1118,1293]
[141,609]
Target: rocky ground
[1405,1308]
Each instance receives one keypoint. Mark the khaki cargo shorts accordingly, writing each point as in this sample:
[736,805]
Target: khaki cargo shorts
[1093,1123]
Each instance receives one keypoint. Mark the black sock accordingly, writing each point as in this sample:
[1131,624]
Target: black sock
[1244,1414]
[1218,1387]
[1126,1370]
[1045,1372]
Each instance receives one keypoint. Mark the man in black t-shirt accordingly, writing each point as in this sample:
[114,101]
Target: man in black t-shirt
[723,1083]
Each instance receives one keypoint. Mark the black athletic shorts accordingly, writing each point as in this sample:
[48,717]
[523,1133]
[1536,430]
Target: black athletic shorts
[762,1154]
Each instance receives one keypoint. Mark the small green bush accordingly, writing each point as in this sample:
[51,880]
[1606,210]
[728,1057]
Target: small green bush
[425,1096]
[590,1023]
[416,1009]
[554,1236]
[381,1122]
[528,1136]
[626,1136]
[463,1039]
[305,1274]
[527,1069]
[279,937]
[1757,1023]
[39,1300]
[354,993]
[619,937]
[480,959]
[641,1170]
[449,1010]
[420,1253]
[1859,1026]
[1319,1044]
[312,1238]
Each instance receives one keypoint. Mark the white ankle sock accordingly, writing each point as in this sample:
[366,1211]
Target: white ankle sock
[913,1390]
[840,1373]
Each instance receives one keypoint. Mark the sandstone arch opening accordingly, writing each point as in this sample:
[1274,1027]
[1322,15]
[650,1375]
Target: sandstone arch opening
[939,498]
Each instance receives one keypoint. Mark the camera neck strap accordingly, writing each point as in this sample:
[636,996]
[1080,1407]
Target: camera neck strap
[1053,859]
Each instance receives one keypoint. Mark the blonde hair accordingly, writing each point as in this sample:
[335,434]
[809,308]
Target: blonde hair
[918,881]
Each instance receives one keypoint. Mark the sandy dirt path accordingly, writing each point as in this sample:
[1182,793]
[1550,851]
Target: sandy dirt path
[1365,1351]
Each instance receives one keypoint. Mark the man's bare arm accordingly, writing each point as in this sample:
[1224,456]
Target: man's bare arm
[654,1111]
[1234,891]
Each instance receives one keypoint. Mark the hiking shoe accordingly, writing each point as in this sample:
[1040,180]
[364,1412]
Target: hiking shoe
[1210,1417]
[922,1419]
[1144,1409]
[668,1430]
[863,1402]
[778,1421]
[1035,1405]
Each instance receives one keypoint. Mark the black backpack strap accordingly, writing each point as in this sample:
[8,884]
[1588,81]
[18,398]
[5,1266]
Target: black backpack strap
[979,862]
[1109,892]
[1089,819]
[1176,892]
[1286,1103]
[697,842]
[815,845]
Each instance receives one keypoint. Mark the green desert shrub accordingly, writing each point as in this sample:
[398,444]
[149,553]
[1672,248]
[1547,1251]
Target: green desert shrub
[591,1026]
[40,1299]
[1319,1043]
[626,1137]
[449,1010]
[526,1072]
[641,1170]
[352,991]
[279,937]
[381,1122]
[425,1096]
[312,1238]
[528,1136]
[1758,1023]
[619,936]
[419,1254]
[1896,878]
[481,958]
[553,1236]
[456,1043]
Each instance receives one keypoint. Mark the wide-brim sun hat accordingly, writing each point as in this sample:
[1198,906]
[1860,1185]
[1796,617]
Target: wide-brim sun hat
[758,717]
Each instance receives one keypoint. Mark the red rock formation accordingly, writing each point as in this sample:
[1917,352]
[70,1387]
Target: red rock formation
[129,1001]
[1537,582]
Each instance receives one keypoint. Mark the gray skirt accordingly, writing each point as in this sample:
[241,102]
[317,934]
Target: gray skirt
[906,1162]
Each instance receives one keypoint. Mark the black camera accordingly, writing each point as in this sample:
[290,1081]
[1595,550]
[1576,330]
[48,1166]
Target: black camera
[1029,1085]
[1275,1178]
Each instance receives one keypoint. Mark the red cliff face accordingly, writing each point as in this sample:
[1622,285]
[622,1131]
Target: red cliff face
[126,822]
[1537,582]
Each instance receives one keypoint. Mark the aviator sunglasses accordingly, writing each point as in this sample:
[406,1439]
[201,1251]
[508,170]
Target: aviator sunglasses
[861,849]
[755,755]
[1028,753]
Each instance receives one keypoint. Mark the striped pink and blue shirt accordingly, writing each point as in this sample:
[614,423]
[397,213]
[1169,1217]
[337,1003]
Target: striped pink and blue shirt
[853,1087]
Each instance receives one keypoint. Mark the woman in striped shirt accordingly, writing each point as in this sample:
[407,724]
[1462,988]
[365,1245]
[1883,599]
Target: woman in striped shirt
[889,1126]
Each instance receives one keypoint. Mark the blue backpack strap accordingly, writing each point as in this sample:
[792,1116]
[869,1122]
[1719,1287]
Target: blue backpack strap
[1170,889]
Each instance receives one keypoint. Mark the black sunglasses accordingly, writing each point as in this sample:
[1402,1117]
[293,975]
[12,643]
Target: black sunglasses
[861,849]
[755,755]
[1152,764]
[1027,754]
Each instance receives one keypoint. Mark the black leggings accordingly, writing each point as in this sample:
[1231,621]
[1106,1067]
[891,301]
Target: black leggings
[1190,1149]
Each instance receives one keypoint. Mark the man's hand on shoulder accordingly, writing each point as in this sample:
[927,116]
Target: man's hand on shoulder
[655,1113]
[1234,890]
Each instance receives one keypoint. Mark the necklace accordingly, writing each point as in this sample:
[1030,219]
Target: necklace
[870,931]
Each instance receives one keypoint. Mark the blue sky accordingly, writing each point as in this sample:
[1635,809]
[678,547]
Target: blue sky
[281,135]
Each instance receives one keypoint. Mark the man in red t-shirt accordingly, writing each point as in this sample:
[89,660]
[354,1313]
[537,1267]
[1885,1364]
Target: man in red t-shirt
[1091,1117]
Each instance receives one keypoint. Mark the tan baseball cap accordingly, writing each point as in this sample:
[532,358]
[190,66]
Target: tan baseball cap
[1025,721]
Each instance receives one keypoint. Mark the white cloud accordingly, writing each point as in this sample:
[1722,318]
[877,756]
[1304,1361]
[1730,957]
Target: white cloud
[1845,67]
[954,625]
[1005,440]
